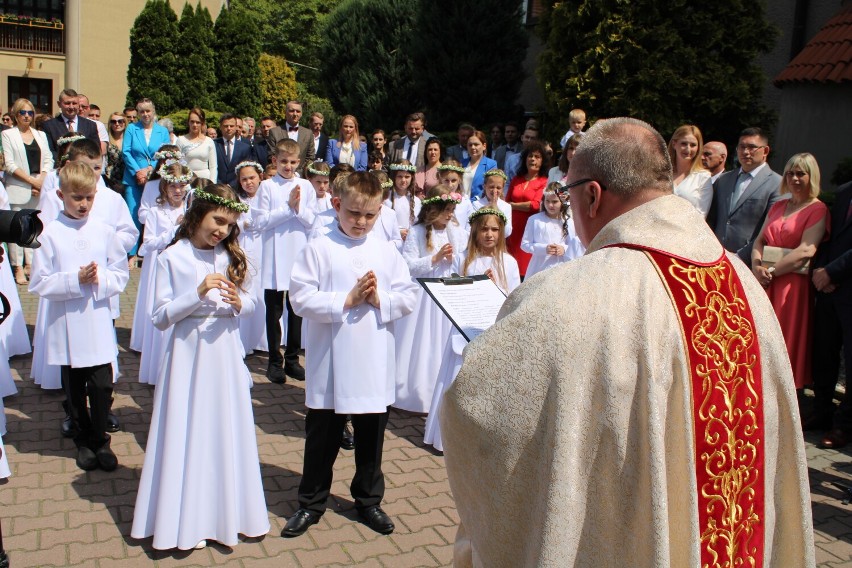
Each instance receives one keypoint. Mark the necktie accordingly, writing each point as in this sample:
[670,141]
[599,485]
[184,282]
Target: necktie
[410,148]
[738,188]
[227,150]
[69,125]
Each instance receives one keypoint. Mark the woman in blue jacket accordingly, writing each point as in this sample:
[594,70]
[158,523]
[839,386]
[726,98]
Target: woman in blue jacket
[347,148]
[473,179]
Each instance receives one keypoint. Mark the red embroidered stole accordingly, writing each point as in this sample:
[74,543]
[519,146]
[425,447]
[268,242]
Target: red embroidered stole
[727,407]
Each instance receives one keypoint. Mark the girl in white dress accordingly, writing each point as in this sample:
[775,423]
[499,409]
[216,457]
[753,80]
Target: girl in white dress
[252,328]
[492,197]
[486,254]
[160,226]
[549,235]
[151,192]
[201,477]
[450,173]
[318,173]
[420,336]
[402,200]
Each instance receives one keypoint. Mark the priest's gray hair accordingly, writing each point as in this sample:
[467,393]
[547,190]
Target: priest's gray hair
[626,156]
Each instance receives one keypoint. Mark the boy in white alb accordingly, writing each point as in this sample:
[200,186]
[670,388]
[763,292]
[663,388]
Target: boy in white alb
[79,267]
[349,286]
[284,217]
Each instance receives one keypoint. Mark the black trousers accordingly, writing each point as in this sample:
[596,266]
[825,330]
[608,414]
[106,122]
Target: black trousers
[322,443]
[832,333]
[275,301]
[94,384]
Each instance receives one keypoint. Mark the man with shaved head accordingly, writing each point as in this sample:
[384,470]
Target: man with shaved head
[653,421]
[713,158]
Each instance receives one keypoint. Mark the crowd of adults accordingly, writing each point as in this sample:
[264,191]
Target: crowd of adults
[797,249]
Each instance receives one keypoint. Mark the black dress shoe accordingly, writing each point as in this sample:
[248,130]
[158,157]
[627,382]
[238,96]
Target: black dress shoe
[68,428]
[834,440]
[106,458]
[112,423]
[299,523]
[377,519]
[86,459]
[295,371]
[347,441]
[276,375]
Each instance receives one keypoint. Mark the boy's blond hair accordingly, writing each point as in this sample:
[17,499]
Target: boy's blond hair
[576,114]
[77,176]
[287,146]
[359,184]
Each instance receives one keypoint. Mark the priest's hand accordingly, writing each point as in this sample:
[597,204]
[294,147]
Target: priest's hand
[88,274]
[444,253]
[295,195]
[212,281]
[555,250]
[228,291]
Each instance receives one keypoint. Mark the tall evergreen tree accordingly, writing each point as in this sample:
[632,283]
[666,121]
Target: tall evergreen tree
[367,66]
[237,55]
[479,67]
[669,63]
[194,52]
[277,84]
[153,63]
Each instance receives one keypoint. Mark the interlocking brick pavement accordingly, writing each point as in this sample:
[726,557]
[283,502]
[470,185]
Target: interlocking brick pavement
[54,514]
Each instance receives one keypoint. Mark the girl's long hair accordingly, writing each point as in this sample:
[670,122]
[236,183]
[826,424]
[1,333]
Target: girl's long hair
[474,251]
[563,207]
[198,209]
[409,190]
[431,211]
[174,170]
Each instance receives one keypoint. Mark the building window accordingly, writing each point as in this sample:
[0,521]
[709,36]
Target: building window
[532,11]
[38,91]
[43,9]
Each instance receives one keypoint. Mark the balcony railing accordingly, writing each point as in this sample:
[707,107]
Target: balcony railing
[31,35]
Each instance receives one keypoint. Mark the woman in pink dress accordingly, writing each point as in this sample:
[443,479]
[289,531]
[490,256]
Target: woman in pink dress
[798,225]
[525,191]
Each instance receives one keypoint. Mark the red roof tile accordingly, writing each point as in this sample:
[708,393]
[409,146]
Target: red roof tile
[827,57]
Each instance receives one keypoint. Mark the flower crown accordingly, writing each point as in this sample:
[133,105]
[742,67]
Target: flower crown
[446,198]
[389,184]
[168,155]
[487,211]
[311,170]
[402,168]
[497,172]
[182,178]
[69,139]
[249,164]
[229,203]
[450,168]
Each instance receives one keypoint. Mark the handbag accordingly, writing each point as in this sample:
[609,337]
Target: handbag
[773,255]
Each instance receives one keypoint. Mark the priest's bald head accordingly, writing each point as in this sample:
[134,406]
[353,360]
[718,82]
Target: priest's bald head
[621,164]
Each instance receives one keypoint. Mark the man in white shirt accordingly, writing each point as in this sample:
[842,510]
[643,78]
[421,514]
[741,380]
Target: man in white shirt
[713,158]
[293,131]
[410,147]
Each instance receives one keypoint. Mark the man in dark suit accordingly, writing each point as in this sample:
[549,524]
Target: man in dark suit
[320,139]
[512,145]
[229,150]
[68,120]
[832,277]
[411,147]
[291,129]
[459,151]
[742,197]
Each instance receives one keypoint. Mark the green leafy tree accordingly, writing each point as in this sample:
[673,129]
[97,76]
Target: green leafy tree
[237,54]
[666,63]
[277,85]
[367,67]
[180,119]
[313,103]
[476,75]
[195,73]
[153,64]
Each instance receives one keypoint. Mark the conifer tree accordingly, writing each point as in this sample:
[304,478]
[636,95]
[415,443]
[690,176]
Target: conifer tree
[153,64]
[237,54]
[666,63]
[277,85]
[195,73]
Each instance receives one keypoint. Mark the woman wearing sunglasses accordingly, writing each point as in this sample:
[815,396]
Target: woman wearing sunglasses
[115,160]
[28,161]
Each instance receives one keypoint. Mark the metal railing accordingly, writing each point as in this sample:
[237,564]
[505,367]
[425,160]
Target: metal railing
[32,36]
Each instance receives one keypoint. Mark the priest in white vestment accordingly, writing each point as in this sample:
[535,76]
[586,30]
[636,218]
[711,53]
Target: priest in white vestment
[661,427]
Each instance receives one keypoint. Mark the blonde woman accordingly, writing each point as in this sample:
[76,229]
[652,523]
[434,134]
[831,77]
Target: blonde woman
[691,180]
[28,161]
[347,148]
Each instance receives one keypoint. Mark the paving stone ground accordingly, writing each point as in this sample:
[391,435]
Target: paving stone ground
[54,514]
